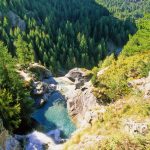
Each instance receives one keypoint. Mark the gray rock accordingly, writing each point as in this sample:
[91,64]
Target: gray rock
[12,144]
[40,88]
[134,127]
[42,91]
[93,115]
[78,93]
[74,73]
[79,83]
[77,73]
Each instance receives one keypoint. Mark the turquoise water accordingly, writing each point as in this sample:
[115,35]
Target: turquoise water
[54,115]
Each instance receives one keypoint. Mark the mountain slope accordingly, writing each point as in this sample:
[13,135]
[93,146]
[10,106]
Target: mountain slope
[62,33]
[122,90]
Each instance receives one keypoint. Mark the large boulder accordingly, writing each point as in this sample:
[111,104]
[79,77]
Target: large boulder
[12,144]
[78,73]
[41,88]
[75,73]
[25,76]
[16,21]
[42,91]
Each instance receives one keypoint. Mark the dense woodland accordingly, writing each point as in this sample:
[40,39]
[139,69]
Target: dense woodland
[123,9]
[61,34]
[15,101]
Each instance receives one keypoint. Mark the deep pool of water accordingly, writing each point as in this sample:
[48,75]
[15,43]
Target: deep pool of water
[54,115]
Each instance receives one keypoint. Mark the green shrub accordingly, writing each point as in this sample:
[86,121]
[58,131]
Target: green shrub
[114,82]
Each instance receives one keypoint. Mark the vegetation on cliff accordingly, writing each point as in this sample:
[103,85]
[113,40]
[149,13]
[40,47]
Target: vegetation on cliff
[125,122]
[114,129]
[133,63]
[15,103]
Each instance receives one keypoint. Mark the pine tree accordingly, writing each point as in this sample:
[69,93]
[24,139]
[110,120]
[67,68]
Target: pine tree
[24,51]
[14,99]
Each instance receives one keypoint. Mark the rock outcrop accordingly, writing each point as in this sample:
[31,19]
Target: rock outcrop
[134,127]
[25,76]
[143,85]
[77,90]
[75,73]
[41,88]
[41,81]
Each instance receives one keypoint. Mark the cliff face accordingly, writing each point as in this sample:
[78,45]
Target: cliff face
[77,89]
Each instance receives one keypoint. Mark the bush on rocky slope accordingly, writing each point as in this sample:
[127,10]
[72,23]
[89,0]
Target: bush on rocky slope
[114,82]
[133,63]
[124,124]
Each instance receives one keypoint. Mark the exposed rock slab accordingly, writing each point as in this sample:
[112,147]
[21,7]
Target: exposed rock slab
[80,101]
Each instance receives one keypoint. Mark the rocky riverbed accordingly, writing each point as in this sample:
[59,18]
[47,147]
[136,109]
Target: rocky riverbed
[61,104]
